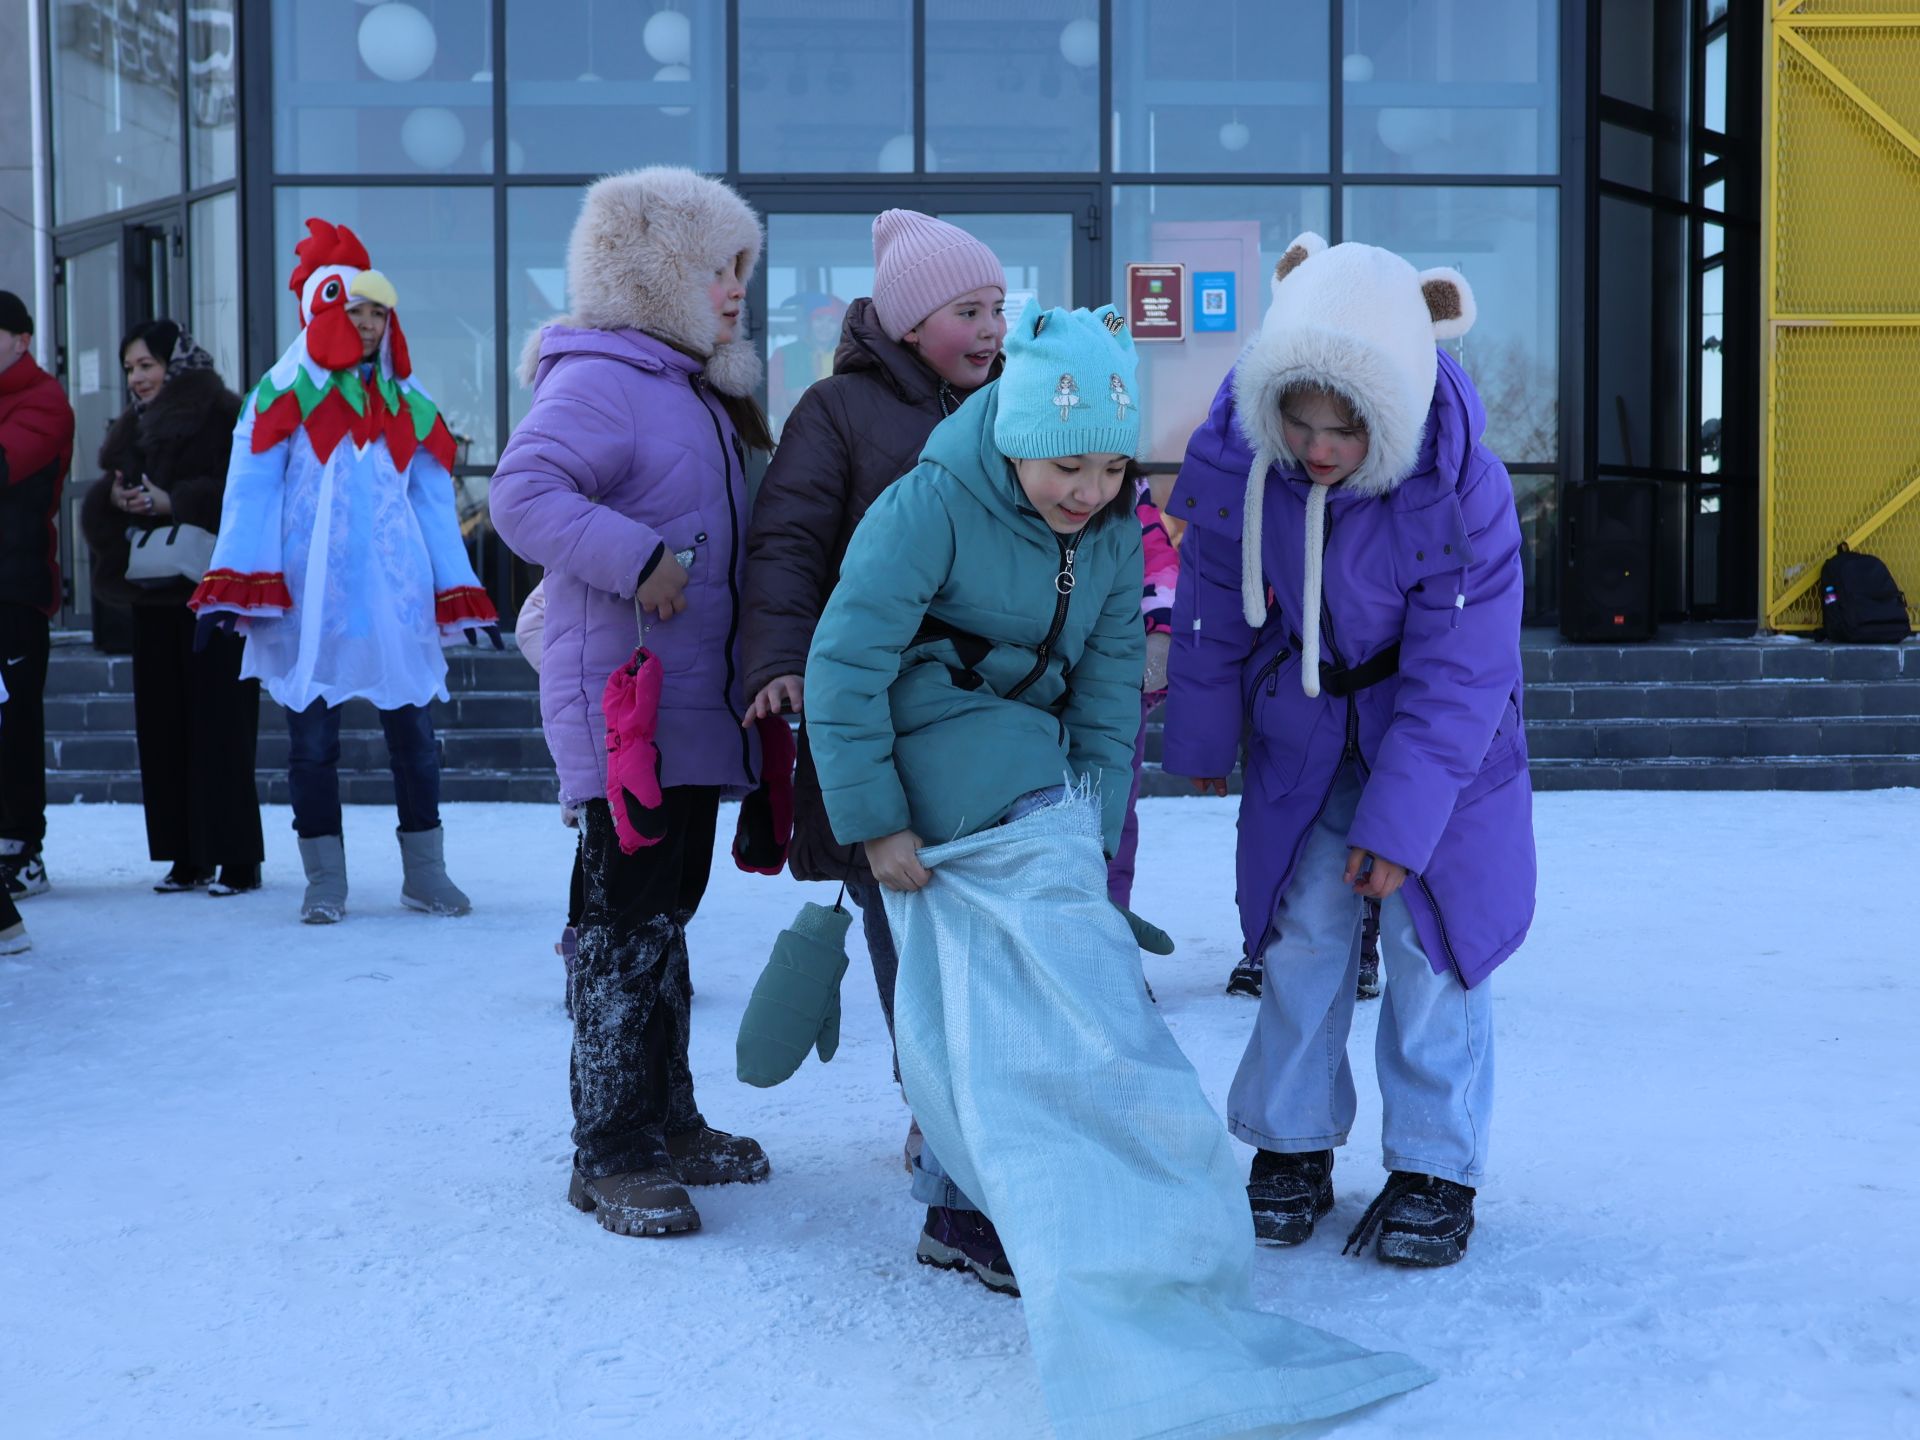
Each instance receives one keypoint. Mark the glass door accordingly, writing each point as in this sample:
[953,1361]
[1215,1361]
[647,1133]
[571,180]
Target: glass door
[819,259]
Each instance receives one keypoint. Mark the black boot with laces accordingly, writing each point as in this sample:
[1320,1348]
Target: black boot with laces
[1422,1220]
[1289,1193]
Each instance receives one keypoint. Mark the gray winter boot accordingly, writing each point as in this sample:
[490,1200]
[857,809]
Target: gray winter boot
[426,886]
[325,858]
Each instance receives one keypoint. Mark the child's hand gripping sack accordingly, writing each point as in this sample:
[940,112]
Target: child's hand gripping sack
[796,1001]
[631,703]
[765,830]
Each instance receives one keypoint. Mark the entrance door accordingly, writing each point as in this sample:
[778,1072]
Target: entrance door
[819,258]
[108,280]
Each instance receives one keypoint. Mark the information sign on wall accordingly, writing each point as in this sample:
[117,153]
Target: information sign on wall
[1156,302]
[1213,301]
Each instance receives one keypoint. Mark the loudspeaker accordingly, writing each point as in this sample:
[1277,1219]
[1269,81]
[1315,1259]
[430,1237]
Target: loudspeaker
[1606,582]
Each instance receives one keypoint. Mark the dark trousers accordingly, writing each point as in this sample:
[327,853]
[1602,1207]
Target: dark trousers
[198,724]
[24,648]
[631,988]
[313,768]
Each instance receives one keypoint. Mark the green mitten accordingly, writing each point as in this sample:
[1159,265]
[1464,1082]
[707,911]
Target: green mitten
[1150,938]
[795,1005]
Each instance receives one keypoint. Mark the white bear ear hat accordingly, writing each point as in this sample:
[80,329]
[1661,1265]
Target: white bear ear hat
[1362,322]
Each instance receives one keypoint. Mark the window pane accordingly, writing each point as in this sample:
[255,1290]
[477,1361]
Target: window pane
[1626,156]
[1642,379]
[1220,86]
[215,319]
[383,90]
[1231,234]
[816,266]
[1506,242]
[1035,250]
[116,105]
[1715,115]
[213,70]
[1713,328]
[1019,93]
[594,87]
[1537,498]
[1428,94]
[436,246]
[824,91]
[538,224]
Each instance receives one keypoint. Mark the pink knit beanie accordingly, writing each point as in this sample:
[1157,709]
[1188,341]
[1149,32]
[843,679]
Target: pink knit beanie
[920,264]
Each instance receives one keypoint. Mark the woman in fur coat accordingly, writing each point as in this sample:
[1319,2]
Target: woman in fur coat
[197,722]
[1341,473]
[627,482]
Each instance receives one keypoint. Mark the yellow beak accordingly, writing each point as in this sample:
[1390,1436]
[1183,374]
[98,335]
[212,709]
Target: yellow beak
[372,285]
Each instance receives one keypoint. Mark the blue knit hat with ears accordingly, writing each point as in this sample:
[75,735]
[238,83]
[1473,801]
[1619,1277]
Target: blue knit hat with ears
[1068,387]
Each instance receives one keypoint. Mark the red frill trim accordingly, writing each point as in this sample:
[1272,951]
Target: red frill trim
[264,590]
[439,443]
[464,605]
[332,421]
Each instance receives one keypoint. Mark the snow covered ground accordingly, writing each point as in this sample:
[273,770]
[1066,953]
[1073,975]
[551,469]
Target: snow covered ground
[257,1177]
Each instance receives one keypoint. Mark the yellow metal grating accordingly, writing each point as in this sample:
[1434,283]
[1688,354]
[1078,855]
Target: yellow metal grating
[1845,444]
[1853,7]
[1847,202]
[1883,61]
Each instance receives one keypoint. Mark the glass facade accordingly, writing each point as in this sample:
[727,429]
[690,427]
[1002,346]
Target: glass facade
[1076,137]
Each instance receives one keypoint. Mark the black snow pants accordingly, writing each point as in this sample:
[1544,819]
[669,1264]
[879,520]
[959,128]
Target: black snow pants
[631,987]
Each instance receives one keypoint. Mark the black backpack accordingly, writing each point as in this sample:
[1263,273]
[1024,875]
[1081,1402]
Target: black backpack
[1859,603]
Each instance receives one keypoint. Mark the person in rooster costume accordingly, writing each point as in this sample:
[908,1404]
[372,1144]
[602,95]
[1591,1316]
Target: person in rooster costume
[340,559]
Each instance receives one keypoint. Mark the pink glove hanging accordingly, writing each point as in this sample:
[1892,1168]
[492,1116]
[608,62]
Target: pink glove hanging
[631,703]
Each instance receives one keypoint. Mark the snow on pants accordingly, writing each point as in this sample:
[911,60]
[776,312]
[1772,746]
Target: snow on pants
[1433,1051]
[631,1083]
[1055,1095]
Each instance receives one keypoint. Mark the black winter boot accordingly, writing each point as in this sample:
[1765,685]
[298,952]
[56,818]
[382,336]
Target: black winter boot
[1288,1193]
[640,1202]
[1422,1220]
[713,1157]
[1247,977]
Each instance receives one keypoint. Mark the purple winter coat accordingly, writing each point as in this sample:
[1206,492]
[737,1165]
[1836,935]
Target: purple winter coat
[1442,742]
[626,447]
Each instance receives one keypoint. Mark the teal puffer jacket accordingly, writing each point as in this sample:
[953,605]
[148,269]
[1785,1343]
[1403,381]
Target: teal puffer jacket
[949,674]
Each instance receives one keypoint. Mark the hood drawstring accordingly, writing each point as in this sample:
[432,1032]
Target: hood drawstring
[1310,592]
[1253,585]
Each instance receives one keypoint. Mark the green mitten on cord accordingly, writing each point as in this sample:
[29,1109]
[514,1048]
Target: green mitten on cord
[796,1001]
[1150,938]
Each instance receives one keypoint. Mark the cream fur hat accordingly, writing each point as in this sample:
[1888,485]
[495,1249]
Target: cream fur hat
[1362,322]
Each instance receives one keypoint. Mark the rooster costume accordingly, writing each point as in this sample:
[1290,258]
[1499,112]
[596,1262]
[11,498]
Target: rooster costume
[341,554]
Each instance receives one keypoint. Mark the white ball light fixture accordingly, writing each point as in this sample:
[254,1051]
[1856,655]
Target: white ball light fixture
[1356,69]
[674,75]
[432,137]
[668,38]
[1080,43]
[1234,136]
[397,42]
[896,156]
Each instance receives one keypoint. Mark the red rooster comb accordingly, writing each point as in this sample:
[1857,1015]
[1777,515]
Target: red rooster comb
[326,244]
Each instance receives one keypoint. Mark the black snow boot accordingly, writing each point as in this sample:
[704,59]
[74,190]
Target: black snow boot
[1246,977]
[1288,1193]
[639,1202]
[713,1157]
[1422,1220]
[1368,986]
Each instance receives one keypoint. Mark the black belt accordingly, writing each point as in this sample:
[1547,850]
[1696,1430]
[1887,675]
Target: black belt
[1347,680]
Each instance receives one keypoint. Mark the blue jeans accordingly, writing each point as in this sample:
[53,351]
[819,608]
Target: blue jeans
[1434,1049]
[313,768]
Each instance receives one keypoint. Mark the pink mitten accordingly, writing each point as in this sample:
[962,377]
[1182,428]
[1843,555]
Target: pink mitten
[631,703]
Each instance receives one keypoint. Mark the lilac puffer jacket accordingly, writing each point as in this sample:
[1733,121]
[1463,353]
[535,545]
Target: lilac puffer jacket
[627,447]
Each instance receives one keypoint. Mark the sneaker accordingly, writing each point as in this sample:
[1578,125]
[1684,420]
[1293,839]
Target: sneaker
[638,1202]
[25,875]
[966,1240]
[1245,979]
[236,880]
[1422,1220]
[183,877]
[713,1157]
[14,940]
[1289,1193]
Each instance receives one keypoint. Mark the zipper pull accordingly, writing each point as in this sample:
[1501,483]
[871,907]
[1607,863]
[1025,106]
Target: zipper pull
[1063,582]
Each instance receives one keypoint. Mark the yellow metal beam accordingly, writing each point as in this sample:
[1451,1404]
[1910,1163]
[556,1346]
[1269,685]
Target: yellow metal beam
[1852,91]
[1805,581]
[1856,320]
[1854,22]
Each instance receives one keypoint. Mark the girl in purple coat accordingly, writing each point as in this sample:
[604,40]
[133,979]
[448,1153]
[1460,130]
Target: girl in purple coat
[1350,599]
[627,482]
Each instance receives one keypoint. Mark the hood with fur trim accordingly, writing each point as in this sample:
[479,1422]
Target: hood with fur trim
[1360,321]
[642,253]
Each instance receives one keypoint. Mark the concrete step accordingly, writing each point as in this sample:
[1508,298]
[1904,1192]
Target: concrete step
[1771,772]
[1720,739]
[1546,659]
[365,787]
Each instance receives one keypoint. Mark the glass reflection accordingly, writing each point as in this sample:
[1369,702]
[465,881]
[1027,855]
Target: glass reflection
[596,85]
[1505,241]
[116,104]
[820,93]
[213,73]
[214,225]
[538,224]
[1020,94]
[816,265]
[1221,87]
[1429,94]
[386,89]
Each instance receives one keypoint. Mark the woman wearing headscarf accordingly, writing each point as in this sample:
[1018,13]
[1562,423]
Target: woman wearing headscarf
[164,464]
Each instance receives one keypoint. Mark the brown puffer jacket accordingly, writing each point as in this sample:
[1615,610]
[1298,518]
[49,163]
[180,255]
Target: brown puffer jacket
[180,442]
[852,435]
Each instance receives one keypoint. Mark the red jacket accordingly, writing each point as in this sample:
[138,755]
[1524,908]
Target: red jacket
[36,447]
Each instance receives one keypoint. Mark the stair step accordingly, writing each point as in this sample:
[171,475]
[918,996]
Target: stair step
[1810,736]
[1552,661]
[1761,772]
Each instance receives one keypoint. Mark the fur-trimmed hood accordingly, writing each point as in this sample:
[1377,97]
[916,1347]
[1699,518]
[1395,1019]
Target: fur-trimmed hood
[642,253]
